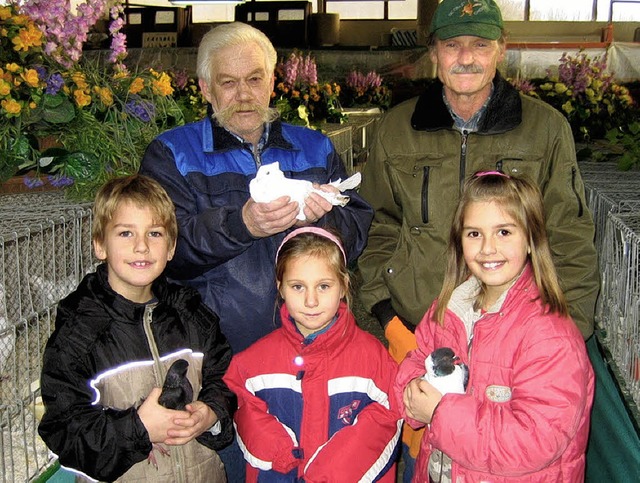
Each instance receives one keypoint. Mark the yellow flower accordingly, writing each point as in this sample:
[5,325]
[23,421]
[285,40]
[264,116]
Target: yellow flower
[303,114]
[27,38]
[5,13]
[79,80]
[82,99]
[5,88]
[11,106]
[30,76]
[162,86]
[21,19]
[547,86]
[560,88]
[13,67]
[105,95]
[567,107]
[136,86]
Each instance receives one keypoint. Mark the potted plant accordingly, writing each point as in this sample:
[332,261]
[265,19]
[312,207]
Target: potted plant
[298,95]
[73,122]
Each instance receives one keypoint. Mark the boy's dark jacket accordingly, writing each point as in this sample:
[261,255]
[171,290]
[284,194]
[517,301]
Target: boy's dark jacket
[99,342]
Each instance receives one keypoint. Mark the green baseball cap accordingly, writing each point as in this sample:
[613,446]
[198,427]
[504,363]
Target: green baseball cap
[480,18]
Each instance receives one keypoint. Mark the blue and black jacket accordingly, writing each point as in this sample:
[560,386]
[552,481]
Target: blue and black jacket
[206,171]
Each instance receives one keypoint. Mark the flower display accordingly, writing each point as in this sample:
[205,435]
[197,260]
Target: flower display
[585,92]
[298,95]
[97,119]
[365,90]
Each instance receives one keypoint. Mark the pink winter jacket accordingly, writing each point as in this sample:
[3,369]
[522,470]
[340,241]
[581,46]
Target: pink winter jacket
[525,415]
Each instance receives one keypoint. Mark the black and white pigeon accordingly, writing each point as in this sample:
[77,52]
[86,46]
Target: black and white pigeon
[177,391]
[446,372]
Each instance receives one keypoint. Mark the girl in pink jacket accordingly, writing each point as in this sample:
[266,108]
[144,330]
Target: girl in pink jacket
[525,413]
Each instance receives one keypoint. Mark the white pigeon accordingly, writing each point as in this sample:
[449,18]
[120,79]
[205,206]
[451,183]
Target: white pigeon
[270,183]
[445,372]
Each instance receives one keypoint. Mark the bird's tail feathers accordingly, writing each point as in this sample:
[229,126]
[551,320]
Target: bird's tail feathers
[350,183]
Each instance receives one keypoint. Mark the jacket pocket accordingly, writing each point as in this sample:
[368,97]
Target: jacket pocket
[521,167]
[424,202]
[412,183]
[574,176]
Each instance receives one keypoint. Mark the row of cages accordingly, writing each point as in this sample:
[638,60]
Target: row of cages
[614,199]
[45,250]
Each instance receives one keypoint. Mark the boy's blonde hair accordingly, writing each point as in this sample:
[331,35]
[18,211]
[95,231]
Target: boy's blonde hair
[521,200]
[141,191]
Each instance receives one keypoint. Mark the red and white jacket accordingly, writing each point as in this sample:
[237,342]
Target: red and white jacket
[525,415]
[321,411]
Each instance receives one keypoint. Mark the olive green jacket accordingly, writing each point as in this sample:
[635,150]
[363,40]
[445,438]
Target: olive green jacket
[413,180]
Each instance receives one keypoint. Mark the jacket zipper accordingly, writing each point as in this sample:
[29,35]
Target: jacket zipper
[463,157]
[257,156]
[177,452]
[425,195]
[574,174]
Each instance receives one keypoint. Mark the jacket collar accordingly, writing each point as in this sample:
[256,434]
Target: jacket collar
[339,334]
[216,138]
[129,311]
[504,111]
[463,297]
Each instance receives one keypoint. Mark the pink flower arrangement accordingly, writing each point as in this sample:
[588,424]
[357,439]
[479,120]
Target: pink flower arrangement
[584,91]
[298,95]
[65,32]
[365,90]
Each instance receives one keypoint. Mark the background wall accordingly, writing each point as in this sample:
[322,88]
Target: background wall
[376,32]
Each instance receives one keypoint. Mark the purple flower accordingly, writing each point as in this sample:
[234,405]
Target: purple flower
[60,181]
[32,182]
[54,84]
[524,85]
[140,109]
[181,78]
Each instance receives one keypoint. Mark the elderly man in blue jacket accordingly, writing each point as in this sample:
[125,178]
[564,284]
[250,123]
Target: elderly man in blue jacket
[227,242]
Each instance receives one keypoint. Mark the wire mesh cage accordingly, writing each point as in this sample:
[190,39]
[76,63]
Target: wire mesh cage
[341,137]
[45,250]
[619,307]
[610,198]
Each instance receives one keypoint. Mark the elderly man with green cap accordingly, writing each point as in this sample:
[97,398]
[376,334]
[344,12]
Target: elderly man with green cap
[469,120]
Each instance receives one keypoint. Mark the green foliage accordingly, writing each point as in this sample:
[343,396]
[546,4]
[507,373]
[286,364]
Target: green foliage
[629,141]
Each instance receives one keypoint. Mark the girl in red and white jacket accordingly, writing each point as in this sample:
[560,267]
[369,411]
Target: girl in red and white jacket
[315,400]
[525,413]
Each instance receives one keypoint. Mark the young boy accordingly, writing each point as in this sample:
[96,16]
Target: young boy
[115,338]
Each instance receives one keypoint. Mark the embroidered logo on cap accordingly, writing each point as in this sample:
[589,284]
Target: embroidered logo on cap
[468,8]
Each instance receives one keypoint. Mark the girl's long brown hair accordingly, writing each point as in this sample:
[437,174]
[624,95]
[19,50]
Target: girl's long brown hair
[522,200]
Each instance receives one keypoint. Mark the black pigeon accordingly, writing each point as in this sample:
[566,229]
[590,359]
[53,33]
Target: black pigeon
[177,391]
[446,372]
